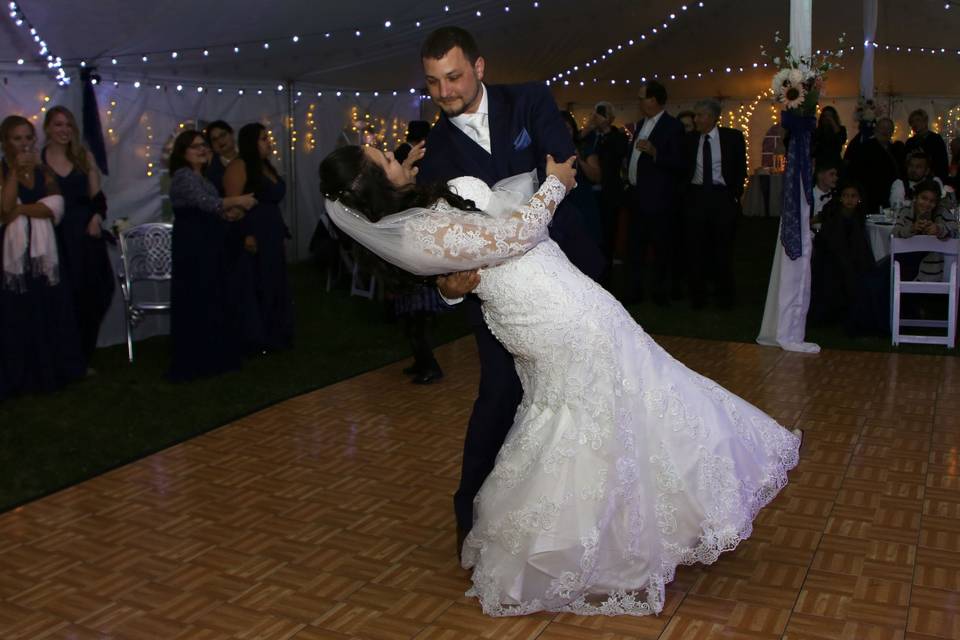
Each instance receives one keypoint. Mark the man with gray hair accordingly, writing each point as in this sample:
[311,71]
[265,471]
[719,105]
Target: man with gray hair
[929,142]
[715,174]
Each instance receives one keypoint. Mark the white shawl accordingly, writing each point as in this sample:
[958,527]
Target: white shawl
[43,259]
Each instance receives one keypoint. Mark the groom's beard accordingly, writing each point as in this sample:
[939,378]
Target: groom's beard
[466,104]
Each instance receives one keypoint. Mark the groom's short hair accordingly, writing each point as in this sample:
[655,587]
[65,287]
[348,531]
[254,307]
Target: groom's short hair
[441,41]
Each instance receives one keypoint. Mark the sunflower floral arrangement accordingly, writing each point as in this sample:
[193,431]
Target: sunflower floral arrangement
[799,82]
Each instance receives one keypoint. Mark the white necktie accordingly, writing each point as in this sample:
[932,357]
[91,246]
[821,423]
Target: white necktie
[478,130]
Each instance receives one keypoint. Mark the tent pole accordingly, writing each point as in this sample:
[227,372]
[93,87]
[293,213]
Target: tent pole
[801,28]
[869,34]
[291,162]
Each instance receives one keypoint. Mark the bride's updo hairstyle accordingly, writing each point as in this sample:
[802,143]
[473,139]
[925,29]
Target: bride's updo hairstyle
[349,177]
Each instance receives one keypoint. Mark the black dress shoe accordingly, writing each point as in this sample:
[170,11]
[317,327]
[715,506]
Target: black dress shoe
[412,370]
[428,377]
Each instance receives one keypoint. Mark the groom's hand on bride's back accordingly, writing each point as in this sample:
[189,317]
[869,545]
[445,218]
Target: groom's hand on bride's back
[566,172]
[456,285]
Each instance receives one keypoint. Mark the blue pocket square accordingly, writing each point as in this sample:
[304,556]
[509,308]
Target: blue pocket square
[522,141]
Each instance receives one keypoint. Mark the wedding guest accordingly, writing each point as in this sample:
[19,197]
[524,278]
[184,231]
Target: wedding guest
[84,263]
[876,164]
[715,170]
[202,327]
[929,142]
[39,338]
[653,171]
[953,172]
[841,259]
[686,119]
[924,216]
[588,168]
[829,137]
[221,141]
[611,146]
[267,315]
[918,170]
[825,181]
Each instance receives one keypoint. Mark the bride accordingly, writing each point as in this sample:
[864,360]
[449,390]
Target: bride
[621,463]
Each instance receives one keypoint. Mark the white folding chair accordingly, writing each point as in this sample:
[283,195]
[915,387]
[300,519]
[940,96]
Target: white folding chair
[948,287]
[146,254]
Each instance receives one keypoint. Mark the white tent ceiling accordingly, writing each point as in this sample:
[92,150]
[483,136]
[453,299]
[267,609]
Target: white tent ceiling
[525,43]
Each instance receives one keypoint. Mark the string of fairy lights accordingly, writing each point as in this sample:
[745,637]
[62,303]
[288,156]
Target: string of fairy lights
[53,62]
[382,131]
[614,49]
[447,12]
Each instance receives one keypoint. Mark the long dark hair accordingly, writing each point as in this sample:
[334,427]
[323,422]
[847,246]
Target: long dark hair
[821,123]
[348,176]
[178,156]
[250,154]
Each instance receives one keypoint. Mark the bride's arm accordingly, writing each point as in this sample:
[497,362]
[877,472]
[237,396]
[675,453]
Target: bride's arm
[475,238]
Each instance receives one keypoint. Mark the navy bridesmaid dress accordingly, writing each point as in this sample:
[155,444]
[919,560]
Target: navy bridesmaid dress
[201,328]
[267,323]
[39,339]
[84,262]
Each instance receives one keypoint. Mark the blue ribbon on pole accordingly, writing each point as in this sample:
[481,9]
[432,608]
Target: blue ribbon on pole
[797,180]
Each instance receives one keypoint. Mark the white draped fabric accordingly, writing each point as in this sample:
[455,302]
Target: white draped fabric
[784,322]
[869,35]
[788,293]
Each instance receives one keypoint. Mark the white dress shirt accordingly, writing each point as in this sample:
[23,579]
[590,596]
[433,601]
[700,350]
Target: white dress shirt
[898,197]
[643,134]
[820,200]
[476,125]
[714,136]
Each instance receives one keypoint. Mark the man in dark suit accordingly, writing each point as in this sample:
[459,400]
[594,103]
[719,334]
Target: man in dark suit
[653,171]
[491,132]
[715,173]
[876,164]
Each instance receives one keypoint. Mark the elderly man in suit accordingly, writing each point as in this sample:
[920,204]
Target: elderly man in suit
[715,174]
[653,171]
[491,132]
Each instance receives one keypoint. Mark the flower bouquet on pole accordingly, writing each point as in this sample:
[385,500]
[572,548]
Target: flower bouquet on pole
[797,88]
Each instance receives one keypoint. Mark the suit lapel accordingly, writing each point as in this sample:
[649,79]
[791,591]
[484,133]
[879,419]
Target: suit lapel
[467,154]
[499,118]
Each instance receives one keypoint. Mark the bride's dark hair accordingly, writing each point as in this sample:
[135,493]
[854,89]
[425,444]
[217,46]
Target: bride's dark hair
[348,176]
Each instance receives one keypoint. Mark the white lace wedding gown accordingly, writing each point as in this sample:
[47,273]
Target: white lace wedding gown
[622,463]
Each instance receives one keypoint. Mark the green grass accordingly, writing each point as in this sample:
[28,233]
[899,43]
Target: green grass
[126,412]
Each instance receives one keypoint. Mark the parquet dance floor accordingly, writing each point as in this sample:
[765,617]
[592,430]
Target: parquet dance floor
[329,516]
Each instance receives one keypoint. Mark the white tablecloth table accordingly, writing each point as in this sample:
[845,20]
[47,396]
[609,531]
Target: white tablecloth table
[879,235]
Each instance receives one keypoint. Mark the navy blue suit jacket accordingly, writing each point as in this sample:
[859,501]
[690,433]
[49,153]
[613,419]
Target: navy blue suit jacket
[658,179]
[525,125]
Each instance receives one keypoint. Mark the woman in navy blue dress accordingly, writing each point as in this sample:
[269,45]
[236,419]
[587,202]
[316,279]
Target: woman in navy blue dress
[201,327]
[267,314]
[39,341]
[85,264]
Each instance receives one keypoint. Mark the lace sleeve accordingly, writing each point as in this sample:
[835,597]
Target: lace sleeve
[474,239]
[187,189]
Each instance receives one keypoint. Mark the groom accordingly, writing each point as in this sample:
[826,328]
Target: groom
[491,132]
